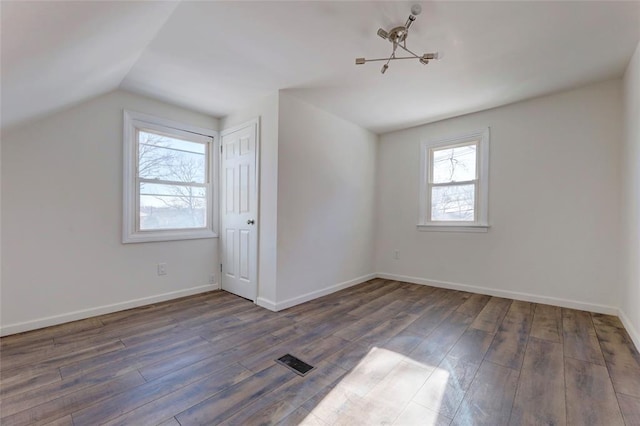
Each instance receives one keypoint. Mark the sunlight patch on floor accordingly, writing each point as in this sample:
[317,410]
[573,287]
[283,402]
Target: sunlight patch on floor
[380,390]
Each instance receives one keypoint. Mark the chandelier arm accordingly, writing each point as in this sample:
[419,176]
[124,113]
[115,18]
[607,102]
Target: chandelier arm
[407,50]
[387,59]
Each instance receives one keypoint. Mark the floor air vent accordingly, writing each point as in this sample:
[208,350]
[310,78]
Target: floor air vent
[298,366]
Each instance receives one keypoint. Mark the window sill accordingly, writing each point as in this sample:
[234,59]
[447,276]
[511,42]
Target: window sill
[453,228]
[147,237]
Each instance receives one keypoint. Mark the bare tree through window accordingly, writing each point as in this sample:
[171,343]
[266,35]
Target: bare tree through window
[172,176]
[453,191]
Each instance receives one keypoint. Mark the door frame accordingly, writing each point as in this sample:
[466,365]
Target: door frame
[255,122]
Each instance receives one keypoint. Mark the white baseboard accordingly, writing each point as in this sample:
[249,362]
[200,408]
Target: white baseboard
[101,310]
[628,325]
[266,303]
[278,306]
[526,297]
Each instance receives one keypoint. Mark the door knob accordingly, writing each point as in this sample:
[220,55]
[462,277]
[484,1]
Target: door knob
[251,222]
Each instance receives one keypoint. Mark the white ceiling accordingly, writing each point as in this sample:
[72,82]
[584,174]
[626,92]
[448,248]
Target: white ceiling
[218,56]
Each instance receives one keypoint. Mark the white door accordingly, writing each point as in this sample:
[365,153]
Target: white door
[239,210]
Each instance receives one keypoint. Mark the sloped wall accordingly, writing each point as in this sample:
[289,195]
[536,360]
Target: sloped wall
[62,256]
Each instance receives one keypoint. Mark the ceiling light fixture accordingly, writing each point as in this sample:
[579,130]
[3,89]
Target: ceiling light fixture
[398,36]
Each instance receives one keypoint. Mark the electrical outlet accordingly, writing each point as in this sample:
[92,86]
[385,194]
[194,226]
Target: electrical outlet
[396,254]
[162,269]
[212,279]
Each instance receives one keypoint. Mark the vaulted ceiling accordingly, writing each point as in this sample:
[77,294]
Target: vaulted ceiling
[217,56]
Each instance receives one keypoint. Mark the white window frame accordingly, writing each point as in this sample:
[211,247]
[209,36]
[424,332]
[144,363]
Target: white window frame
[131,232]
[481,208]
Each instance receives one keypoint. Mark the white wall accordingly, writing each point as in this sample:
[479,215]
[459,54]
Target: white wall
[1,191]
[62,256]
[267,110]
[553,203]
[326,192]
[630,303]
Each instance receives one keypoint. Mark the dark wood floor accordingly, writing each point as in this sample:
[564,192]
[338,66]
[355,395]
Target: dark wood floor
[385,353]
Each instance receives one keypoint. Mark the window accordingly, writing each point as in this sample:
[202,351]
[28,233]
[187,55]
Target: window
[454,184]
[168,191]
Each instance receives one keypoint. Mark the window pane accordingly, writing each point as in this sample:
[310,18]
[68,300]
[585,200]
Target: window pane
[167,158]
[453,203]
[454,164]
[172,206]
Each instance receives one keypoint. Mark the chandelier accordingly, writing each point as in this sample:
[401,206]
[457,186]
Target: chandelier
[398,37]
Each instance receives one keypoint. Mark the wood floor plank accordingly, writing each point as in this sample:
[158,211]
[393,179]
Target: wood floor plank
[166,407]
[322,349]
[139,354]
[416,415]
[491,316]
[388,329]
[108,334]
[228,402]
[386,400]
[45,335]
[263,359]
[474,305]
[283,401]
[630,408]
[350,355]
[547,323]
[606,320]
[16,385]
[193,357]
[329,405]
[404,342]
[340,299]
[147,392]
[301,417]
[171,422]
[540,399]
[338,309]
[384,299]
[370,371]
[67,404]
[435,314]
[40,395]
[490,397]
[621,358]
[17,342]
[591,399]
[152,335]
[472,346]
[58,358]
[63,421]
[446,387]
[511,339]
[166,308]
[580,340]
[625,380]
[364,325]
[436,345]
[237,334]
[385,352]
